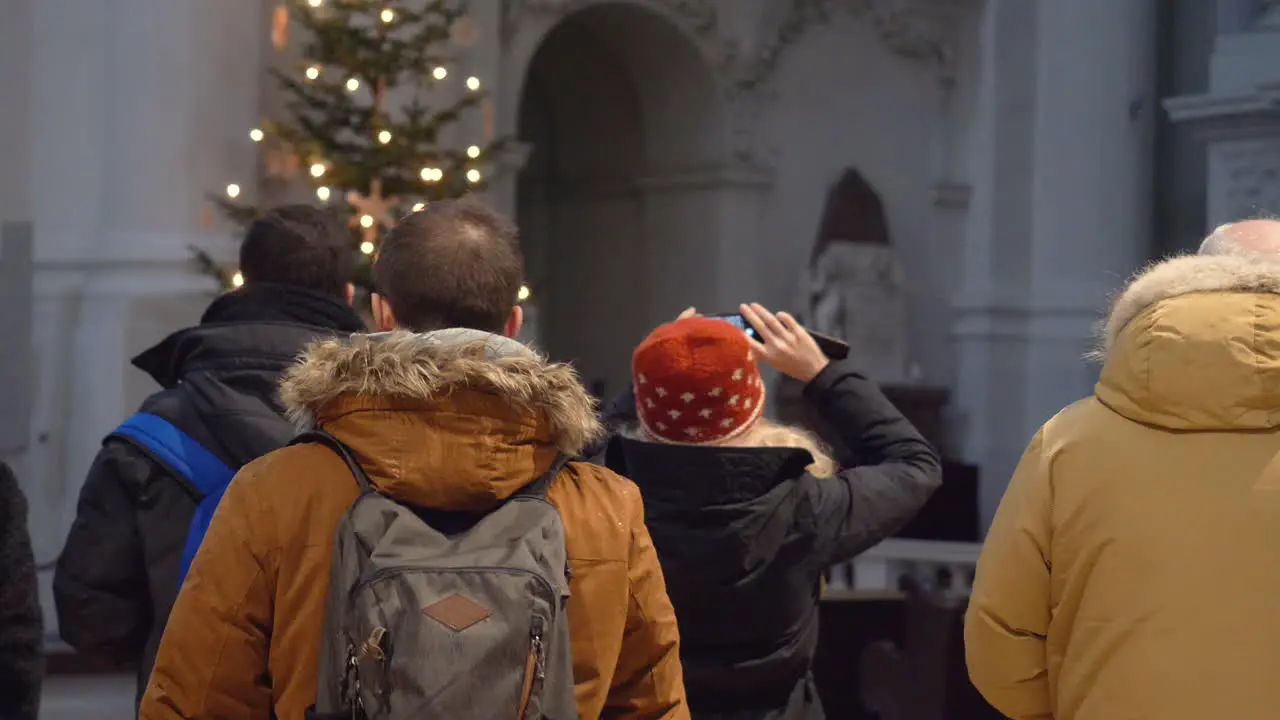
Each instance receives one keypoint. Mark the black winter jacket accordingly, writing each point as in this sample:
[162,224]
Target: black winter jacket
[745,534]
[117,577]
[21,628]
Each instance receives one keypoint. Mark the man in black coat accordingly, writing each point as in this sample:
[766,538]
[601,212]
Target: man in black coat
[119,574]
[21,629]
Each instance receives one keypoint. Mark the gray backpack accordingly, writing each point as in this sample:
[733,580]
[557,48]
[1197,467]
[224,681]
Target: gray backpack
[436,615]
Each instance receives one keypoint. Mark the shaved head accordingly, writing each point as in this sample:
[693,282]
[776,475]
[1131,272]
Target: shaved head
[1247,238]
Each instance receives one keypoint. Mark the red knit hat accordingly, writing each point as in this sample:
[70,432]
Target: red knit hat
[697,382]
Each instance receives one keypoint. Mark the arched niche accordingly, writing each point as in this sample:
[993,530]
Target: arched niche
[624,198]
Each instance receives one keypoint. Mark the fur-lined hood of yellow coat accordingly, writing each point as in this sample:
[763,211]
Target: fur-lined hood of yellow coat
[1133,568]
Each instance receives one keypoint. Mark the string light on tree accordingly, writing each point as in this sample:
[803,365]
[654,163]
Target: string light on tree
[335,95]
[524,293]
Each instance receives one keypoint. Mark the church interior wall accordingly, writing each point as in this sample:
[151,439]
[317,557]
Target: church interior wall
[845,100]
[129,146]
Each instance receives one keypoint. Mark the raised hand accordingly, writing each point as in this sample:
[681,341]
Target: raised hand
[784,344]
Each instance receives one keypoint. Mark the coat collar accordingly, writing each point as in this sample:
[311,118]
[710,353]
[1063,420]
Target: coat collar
[431,367]
[1184,275]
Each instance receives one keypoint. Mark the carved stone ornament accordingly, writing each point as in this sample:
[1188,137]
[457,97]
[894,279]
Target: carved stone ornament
[698,16]
[921,29]
[743,74]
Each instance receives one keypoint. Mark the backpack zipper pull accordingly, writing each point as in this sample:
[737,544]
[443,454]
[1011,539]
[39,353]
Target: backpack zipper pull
[539,653]
[372,647]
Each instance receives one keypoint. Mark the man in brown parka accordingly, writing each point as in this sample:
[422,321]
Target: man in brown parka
[1131,570]
[455,416]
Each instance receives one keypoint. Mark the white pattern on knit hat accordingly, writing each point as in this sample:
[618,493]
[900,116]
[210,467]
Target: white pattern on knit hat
[660,426]
[693,431]
[660,392]
[642,379]
[747,403]
[675,414]
[705,412]
[715,392]
[648,402]
[727,422]
[737,374]
[688,397]
[734,400]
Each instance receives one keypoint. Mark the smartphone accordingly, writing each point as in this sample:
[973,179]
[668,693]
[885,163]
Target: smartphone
[834,348]
[736,320]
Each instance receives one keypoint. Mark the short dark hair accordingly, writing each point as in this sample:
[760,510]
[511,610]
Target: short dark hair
[455,264]
[301,246]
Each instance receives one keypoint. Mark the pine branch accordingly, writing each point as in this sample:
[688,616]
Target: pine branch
[207,265]
[392,58]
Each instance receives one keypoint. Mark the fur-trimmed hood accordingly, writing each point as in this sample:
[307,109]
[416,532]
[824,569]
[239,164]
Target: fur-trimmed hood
[1184,275]
[432,366]
[456,420]
[1193,342]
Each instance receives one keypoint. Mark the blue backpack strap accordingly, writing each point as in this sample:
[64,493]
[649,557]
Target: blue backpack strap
[188,458]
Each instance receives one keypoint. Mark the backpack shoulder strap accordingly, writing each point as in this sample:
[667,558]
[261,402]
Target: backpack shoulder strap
[538,488]
[320,437]
[169,444]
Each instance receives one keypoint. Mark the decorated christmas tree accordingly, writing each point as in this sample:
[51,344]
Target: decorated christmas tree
[378,118]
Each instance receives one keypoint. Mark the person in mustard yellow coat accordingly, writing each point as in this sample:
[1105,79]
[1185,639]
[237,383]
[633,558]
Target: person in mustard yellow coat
[1133,567]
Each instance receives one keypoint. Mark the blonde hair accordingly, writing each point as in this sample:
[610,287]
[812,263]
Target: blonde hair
[767,434]
[770,434]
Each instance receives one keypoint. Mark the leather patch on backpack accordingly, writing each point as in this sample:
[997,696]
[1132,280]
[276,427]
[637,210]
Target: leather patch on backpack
[456,612]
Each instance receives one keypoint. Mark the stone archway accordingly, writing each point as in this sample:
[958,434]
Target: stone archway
[618,199]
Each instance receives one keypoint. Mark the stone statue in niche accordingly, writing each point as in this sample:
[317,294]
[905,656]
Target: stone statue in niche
[855,286]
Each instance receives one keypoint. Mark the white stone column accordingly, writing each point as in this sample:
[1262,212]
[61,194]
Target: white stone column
[1061,151]
[1093,182]
[990,344]
[138,110]
[703,230]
